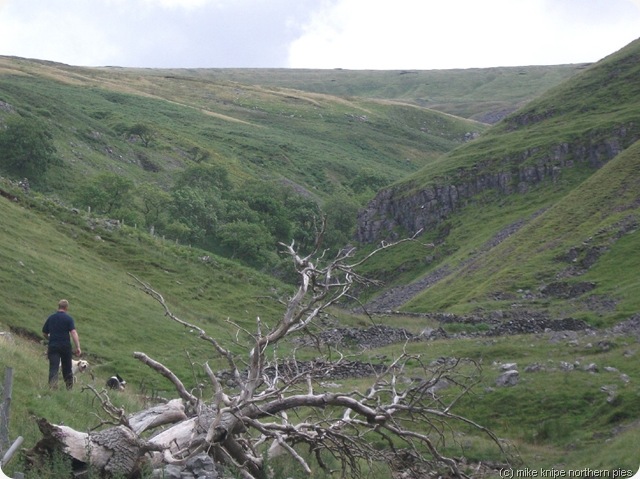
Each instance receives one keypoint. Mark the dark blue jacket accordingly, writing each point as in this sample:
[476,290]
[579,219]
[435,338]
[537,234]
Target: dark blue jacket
[58,326]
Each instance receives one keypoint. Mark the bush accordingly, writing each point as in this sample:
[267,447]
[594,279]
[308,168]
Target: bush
[26,148]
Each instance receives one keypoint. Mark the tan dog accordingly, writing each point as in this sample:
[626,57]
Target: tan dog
[80,366]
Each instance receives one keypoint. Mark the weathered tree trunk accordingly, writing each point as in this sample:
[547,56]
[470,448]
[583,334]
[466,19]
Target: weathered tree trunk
[113,450]
[168,413]
[118,449]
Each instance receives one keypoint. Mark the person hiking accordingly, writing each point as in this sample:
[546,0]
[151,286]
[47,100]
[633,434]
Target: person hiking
[57,329]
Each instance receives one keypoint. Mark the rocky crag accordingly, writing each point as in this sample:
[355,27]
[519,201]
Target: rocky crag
[394,210]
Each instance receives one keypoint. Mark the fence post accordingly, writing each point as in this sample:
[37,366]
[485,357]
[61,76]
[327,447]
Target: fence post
[4,410]
[12,450]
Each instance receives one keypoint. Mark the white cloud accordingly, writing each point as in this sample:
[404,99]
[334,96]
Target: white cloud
[153,33]
[356,34]
[188,4]
[196,4]
[362,34]
[47,33]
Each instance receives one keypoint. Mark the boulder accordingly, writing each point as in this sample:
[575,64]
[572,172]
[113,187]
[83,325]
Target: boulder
[508,378]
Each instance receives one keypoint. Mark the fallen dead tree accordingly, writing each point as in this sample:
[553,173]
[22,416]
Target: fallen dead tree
[270,411]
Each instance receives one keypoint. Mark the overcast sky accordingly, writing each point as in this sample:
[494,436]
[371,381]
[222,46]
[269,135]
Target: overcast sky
[353,34]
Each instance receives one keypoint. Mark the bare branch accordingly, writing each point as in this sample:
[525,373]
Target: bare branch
[220,397]
[117,415]
[162,369]
[202,333]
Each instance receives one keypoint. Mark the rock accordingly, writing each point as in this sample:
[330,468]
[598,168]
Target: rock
[438,386]
[392,209]
[564,290]
[201,466]
[559,336]
[534,368]
[443,361]
[330,385]
[168,472]
[6,337]
[535,322]
[4,106]
[611,391]
[630,327]
[431,333]
[565,366]
[509,366]
[318,369]
[605,345]
[508,378]
[369,338]
[592,368]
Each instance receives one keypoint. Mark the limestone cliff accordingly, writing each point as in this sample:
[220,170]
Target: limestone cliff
[393,211]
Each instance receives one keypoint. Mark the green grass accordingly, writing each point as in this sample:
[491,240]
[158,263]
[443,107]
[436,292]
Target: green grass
[317,141]
[32,398]
[470,93]
[46,259]
[263,130]
[49,253]
[595,105]
[590,214]
[550,416]
[317,146]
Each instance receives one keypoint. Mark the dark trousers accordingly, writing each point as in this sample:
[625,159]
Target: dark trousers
[60,355]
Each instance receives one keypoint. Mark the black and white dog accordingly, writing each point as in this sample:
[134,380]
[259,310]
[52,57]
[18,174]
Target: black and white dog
[116,382]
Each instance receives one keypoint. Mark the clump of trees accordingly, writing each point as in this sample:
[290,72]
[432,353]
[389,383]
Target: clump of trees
[144,132]
[203,208]
[404,417]
[26,147]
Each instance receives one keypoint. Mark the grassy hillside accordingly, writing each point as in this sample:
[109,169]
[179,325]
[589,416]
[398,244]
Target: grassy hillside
[599,218]
[125,139]
[519,255]
[317,141]
[576,225]
[557,128]
[483,94]
[578,229]
[553,418]
[49,253]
